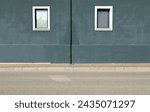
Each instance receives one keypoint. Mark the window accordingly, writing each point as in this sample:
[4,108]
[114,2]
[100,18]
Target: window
[41,18]
[103,18]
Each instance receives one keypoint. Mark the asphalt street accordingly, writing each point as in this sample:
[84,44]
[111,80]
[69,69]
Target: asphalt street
[74,83]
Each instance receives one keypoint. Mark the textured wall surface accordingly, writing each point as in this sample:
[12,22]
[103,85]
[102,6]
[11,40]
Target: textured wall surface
[129,42]
[19,43]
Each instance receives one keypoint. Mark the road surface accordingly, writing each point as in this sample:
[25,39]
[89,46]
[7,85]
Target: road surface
[74,83]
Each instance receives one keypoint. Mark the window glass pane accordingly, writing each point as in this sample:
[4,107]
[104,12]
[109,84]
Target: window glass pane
[103,18]
[41,18]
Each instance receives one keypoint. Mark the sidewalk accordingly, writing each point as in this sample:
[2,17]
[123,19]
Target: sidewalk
[75,67]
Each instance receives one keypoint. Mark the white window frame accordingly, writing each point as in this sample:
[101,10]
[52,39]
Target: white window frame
[33,18]
[110,28]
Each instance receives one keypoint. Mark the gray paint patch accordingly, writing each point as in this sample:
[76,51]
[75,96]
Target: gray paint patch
[60,78]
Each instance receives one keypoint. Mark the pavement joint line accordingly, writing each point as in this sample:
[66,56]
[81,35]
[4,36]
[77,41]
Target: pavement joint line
[75,70]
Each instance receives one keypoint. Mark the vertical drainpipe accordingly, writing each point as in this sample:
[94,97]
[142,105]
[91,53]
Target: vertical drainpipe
[70,31]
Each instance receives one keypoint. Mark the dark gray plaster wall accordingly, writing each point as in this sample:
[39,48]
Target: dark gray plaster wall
[19,43]
[129,42]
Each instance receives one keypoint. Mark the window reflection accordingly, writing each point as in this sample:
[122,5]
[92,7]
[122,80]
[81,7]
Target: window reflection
[41,18]
[103,18]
